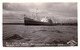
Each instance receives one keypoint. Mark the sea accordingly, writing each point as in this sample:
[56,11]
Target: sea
[34,36]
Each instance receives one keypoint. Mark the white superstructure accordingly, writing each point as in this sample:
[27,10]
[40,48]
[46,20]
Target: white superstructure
[45,19]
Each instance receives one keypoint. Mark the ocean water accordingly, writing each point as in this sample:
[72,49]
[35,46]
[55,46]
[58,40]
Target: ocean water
[41,34]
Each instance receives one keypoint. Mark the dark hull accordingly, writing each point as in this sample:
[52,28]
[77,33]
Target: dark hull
[29,21]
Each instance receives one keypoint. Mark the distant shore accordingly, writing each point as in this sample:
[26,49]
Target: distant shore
[54,24]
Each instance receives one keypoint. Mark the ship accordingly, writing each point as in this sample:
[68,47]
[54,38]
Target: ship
[43,21]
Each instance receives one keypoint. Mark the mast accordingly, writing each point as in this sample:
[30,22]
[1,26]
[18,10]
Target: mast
[36,14]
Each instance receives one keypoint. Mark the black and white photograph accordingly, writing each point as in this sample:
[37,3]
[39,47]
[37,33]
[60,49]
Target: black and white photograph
[40,24]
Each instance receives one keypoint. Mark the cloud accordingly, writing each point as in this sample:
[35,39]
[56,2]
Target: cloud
[60,12]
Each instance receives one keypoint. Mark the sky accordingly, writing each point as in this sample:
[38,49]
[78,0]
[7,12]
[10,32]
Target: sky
[56,11]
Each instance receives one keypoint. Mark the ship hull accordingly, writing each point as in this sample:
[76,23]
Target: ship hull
[29,21]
